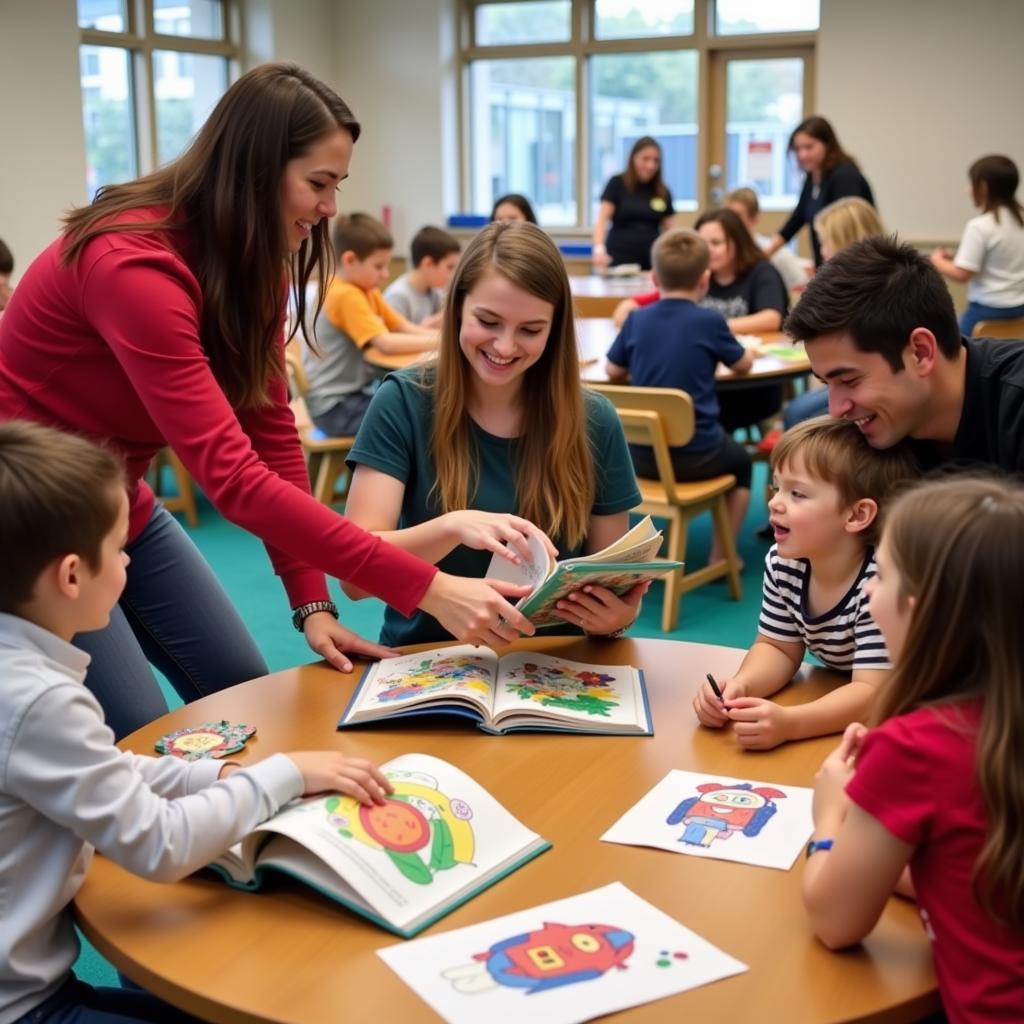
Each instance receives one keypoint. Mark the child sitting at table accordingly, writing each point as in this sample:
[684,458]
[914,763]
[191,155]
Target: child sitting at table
[675,343]
[937,784]
[355,316]
[497,439]
[64,787]
[829,487]
[418,294]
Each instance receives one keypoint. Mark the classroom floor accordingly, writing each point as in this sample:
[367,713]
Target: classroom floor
[240,562]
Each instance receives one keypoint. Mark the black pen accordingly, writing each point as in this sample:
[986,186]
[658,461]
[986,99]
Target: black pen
[714,686]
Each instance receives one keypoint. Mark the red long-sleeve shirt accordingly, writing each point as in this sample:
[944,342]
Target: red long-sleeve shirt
[109,348]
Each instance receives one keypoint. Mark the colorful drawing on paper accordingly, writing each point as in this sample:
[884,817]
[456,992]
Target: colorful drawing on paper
[550,957]
[559,686]
[722,810]
[419,828]
[454,672]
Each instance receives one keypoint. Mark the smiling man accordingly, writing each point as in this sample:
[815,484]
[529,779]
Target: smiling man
[881,332]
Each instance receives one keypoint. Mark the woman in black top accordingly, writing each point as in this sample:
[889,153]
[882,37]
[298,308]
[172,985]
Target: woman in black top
[748,291]
[638,204]
[831,174]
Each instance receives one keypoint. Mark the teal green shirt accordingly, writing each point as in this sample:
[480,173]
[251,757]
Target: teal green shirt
[394,438]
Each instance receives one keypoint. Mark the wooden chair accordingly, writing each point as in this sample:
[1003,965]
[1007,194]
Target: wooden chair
[325,456]
[185,500]
[999,328]
[663,418]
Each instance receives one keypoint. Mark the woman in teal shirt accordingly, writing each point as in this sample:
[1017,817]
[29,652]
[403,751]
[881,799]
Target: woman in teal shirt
[498,439]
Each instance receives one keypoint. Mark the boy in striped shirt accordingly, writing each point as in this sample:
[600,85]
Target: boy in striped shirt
[829,485]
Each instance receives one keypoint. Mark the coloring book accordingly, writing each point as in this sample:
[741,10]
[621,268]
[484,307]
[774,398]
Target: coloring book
[720,817]
[521,690]
[618,567]
[563,962]
[438,840]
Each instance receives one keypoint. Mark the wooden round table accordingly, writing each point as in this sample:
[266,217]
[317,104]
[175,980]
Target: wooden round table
[288,954]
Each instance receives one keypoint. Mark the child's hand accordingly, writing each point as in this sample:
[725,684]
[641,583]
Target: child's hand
[328,771]
[759,724]
[601,611]
[830,800]
[709,709]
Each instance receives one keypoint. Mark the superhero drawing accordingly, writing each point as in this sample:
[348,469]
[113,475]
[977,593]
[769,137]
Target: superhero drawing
[721,810]
[457,671]
[420,829]
[550,957]
[560,686]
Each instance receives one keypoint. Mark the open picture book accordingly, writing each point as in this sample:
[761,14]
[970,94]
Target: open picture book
[618,567]
[521,690]
[437,841]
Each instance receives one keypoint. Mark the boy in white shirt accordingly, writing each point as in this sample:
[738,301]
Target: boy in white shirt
[829,485]
[64,787]
[419,293]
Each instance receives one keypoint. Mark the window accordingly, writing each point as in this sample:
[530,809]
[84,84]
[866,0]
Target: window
[559,90]
[151,72]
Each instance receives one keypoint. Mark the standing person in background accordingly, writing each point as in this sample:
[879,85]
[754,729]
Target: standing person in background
[830,174]
[418,294]
[990,258]
[157,317]
[6,269]
[637,205]
[743,202]
[513,207]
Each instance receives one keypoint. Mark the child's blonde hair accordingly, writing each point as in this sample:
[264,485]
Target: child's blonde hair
[846,221]
[554,466]
[834,450]
[59,495]
[679,258]
[957,546]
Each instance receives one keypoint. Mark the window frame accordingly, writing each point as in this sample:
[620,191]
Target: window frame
[140,39]
[582,45]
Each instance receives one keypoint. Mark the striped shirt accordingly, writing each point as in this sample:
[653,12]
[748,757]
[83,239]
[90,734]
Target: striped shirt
[844,638]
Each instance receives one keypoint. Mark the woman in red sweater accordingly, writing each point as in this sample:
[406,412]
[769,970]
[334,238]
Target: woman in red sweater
[157,318]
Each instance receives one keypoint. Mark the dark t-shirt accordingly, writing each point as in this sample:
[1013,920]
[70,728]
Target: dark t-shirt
[761,287]
[675,344]
[636,221]
[843,180]
[991,430]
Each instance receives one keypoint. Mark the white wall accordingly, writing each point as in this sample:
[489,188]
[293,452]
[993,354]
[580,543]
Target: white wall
[917,90]
[42,142]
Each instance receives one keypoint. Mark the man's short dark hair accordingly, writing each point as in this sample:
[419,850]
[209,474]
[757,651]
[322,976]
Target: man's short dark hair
[878,291]
[432,242]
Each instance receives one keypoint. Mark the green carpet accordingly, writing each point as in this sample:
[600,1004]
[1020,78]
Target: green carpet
[708,615]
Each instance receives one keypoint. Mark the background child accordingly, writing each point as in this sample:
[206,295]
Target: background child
[458,459]
[829,485]
[354,316]
[675,343]
[418,294]
[991,252]
[938,784]
[743,202]
[64,787]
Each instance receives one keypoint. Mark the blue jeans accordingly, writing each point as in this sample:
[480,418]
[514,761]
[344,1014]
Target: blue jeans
[77,1003]
[976,311]
[805,407]
[173,615]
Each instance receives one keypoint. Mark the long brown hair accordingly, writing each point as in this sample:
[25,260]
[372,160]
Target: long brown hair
[820,129]
[958,548]
[554,465]
[746,252]
[224,194]
[629,178]
[1000,177]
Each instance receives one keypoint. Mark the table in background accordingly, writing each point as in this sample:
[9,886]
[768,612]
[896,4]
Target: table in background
[289,954]
[598,295]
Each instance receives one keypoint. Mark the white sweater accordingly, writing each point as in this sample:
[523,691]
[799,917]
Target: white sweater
[65,789]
